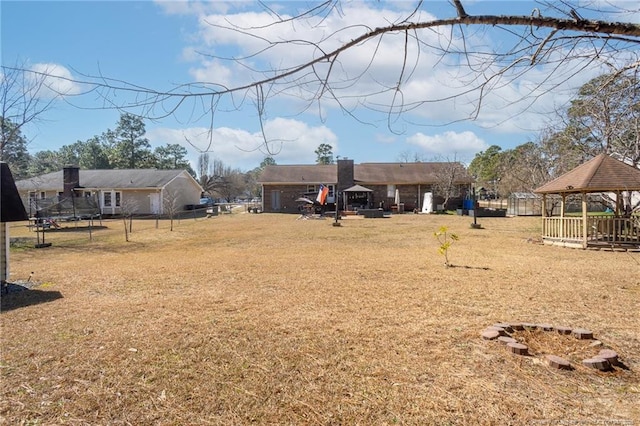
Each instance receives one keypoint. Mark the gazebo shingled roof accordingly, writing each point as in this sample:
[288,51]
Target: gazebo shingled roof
[600,174]
[11,207]
[358,188]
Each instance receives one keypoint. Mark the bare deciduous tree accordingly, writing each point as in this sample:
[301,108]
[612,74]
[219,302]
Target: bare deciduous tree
[128,208]
[25,96]
[171,206]
[22,100]
[447,183]
[553,39]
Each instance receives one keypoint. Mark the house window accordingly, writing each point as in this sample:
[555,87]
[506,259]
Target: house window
[311,189]
[112,197]
[87,194]
[391,191]
[33,195]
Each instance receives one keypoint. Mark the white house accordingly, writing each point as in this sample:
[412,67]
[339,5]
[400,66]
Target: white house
[139,191]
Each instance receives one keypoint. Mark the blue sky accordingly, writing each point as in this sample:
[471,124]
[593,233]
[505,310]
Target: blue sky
[160,44]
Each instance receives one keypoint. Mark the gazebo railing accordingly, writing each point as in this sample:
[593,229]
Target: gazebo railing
[614,229]
[600,229]
[562,228]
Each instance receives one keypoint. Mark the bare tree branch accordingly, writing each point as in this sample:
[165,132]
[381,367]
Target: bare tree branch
[538,39]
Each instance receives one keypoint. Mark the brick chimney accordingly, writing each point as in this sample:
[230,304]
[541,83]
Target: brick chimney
[345,174]
[71,179]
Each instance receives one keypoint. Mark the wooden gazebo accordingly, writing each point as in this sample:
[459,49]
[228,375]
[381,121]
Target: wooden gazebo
[602,174]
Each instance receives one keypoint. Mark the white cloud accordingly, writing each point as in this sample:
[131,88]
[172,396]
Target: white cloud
[213,71]
[252,29]
[190,7]
[462,146]
[52,80]
[357,77]
[386,139]
[434,85]
[290,142]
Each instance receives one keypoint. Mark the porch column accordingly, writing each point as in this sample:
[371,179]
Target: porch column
[584,220]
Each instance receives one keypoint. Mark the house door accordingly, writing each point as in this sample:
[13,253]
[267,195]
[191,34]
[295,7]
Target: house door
[111,201]
[154,199]
[275,200]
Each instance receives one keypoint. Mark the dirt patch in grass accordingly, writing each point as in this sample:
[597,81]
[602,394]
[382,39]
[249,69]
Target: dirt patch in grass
[259,318]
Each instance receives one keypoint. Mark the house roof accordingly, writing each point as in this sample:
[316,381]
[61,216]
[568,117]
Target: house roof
[106,179]
[366,173]
[11,207]
[405,173]
[301,174]
[600,174]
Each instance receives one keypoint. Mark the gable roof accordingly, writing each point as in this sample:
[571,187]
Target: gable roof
[106,179]
[11,207]
[404,173]
[366,173]
[302,174]
[600,174]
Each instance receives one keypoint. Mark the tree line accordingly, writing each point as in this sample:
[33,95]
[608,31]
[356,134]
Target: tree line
[125,147]
[604,117]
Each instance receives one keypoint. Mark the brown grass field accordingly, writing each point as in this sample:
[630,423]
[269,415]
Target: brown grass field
[265,319]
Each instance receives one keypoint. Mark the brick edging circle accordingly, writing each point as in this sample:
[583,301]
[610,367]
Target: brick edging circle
[501,332]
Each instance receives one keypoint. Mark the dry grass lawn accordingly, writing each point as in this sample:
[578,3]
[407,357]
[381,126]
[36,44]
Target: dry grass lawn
[265,319]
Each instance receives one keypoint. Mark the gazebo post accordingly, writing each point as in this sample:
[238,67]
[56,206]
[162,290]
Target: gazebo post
[544,216]
[584,220]
[561,233]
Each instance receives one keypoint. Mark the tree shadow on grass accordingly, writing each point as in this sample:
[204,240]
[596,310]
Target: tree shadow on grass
[15,296]
[80,229]
[483,268]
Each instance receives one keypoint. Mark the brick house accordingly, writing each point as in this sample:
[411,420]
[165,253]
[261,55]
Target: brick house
[366,185]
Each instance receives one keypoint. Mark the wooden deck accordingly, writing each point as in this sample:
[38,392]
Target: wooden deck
[600,231]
